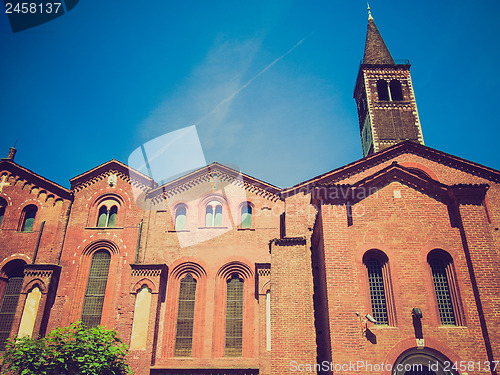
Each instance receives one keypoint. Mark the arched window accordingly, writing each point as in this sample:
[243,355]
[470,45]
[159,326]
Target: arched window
[113,212]
[234,317]
[396,91]
[3,206]
[441,265]
[107,218]
[246,216]
[180,218]
[14,272]
[185,317]
[28,218]
[376,263]
[213,214]
[103,216]
[383,92]
[96,288]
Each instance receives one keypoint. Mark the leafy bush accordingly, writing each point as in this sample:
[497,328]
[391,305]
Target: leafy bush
[73,350]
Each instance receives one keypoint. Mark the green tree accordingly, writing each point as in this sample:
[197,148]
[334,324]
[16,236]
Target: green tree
[73,350]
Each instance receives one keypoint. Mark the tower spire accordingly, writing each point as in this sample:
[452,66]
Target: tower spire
[387,111]
[376,52]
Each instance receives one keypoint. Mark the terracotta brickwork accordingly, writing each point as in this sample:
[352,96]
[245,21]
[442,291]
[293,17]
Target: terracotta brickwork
[391,260]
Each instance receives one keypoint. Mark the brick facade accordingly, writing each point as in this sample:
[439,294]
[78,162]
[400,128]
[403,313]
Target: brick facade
[301,262]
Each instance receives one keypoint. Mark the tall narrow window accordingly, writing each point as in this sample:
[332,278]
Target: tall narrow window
[396,91]
[268,320]
[3,205]
[185,317]
[246,216]
[96,288]
[113,212]
[443,280]
[10,299]
[218,216]
[180,218]
[28,218]
[383,92]
[234,317]
[103,216]
[209,216]
[377,291]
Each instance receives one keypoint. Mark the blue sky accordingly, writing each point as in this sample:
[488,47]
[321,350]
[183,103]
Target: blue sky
[269,84]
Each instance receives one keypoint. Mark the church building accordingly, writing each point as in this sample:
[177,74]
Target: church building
[387,265]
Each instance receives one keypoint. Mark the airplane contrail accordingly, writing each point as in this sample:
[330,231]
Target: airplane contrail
[251,80]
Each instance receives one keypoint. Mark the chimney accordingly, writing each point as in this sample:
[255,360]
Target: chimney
[12,153]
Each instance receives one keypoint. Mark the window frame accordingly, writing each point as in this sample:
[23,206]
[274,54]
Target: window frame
[3,209]
[109,201]
[177,215]
[383,90]
[23,219]
[12,270]
[101,295]
[453,291]
[177,345]
[251,207]
[214,204]
[383,262]
[238,351]
[226,272]
[175,276]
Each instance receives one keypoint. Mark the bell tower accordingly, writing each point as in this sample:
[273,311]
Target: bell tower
[387,111]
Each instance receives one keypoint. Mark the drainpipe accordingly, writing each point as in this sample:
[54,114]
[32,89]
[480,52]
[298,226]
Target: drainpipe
[38,241]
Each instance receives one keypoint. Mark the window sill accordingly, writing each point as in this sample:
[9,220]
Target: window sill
[212,227]
[103,228]
[249,229]
[178,231]
[381,326]
[25,231]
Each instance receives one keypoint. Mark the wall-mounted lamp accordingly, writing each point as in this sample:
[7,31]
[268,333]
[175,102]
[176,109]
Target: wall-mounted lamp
[370,318]
[416,313]
[364,323]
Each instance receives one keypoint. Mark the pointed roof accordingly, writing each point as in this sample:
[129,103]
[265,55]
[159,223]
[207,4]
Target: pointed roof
[225,173]
[406,147]
[376,52]
[112,165]
[44,183]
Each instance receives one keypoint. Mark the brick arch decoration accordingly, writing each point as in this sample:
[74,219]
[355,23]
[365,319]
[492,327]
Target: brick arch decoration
[433,346]
[227,270]
[266,287]
[412,165]
[144,282]
[22,257]
[188,267]
[100,245]
[33,284]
